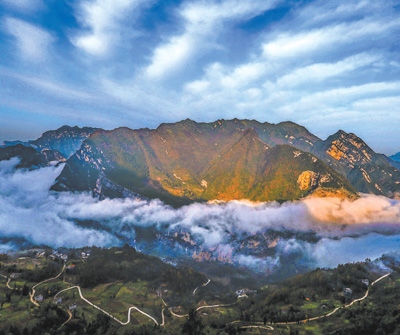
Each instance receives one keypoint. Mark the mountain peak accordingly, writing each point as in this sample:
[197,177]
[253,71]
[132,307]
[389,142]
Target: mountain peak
[339,133]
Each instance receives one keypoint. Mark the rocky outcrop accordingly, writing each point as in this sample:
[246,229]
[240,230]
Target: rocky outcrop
[367,171]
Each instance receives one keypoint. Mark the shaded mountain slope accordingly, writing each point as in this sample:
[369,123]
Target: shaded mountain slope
[395,157]
[29,157]
[67,140]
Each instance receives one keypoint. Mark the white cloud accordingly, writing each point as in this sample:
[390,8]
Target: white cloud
[321,71]
[377,104]
[103,20]
[202,22]
[48,85]
[24,5]
[318,12]
[289,45]
[297,67]
[33,42]
[331,253]
[340,96]
[29,211]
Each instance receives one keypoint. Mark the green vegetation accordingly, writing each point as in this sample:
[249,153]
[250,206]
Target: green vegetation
[189,161]
[118,278]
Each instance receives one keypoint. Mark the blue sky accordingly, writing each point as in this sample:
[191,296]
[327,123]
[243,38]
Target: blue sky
[327,65]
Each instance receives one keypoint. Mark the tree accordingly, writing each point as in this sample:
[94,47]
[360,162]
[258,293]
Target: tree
[193,325]
[25,290]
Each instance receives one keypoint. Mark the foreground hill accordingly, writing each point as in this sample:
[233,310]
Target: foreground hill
[189,161]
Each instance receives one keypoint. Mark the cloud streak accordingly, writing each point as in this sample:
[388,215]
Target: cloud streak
[202,22]
[32,42]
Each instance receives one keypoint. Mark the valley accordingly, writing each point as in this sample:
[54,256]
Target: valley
[228,227]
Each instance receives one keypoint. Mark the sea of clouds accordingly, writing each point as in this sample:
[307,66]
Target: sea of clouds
[346,230]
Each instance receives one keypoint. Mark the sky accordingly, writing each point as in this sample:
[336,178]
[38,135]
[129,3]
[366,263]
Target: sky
[327,65]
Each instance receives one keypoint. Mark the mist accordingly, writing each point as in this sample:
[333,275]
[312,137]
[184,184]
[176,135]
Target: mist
[343,230]
[28,211]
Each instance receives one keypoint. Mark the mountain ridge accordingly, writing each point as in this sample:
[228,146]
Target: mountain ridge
[66,140]
[182,160]
[222,160]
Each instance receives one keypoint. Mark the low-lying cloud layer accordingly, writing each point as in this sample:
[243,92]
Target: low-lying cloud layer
[343,230]
[28,211]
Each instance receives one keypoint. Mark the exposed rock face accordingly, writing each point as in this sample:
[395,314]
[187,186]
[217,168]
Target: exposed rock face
[189,161]
[307,180]
[367,171]
[53,155]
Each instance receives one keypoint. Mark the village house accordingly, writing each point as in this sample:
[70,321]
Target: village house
[244,292]
[348,292]
[39,298]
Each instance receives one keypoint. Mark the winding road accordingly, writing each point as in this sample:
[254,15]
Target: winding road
[337,308]
[105,312]
[8,283]
[69,319]
[32,294]
[215,306]
[163,318]
[258,324]
[366,293]
[205,284]
[260,327]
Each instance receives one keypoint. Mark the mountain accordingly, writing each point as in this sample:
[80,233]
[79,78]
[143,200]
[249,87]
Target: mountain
[395,157]
[67,140]
[29,157]
[393,163]
[12,143]
[188,161]
[366,170]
